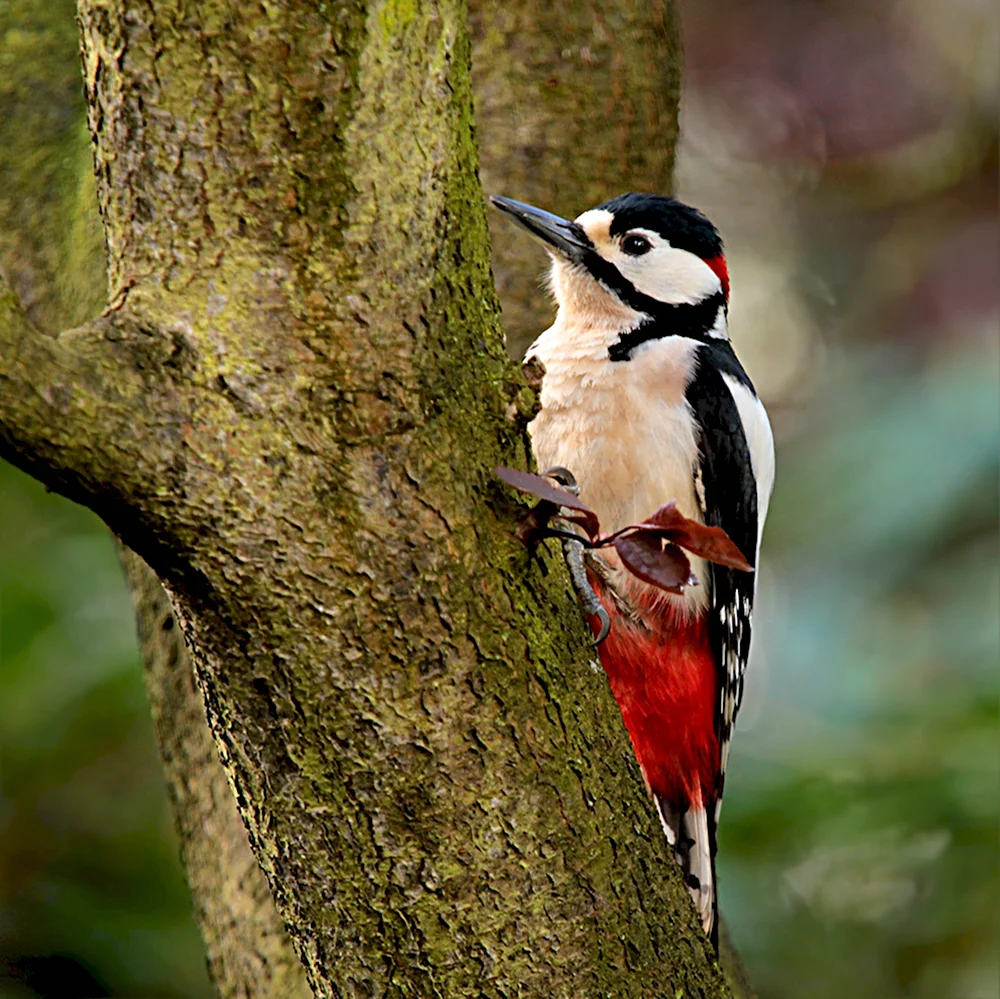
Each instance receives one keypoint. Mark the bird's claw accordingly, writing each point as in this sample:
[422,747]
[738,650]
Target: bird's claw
[573,554]
[604,618]
[564,477]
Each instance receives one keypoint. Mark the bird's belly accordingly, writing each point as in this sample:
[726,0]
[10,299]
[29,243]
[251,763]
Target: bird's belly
[627,463]
[628,456]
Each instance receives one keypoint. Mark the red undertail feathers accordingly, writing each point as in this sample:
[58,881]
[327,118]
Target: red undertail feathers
[666,683]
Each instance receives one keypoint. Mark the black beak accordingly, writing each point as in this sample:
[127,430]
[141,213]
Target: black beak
[556,233]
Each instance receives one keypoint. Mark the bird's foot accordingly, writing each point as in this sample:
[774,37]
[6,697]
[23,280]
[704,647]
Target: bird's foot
[564,477]
[573,552]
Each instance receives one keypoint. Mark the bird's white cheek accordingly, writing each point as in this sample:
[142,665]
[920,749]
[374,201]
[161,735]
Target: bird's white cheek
[668,275]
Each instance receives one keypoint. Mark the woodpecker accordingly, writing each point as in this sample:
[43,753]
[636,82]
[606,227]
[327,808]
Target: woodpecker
[644,401]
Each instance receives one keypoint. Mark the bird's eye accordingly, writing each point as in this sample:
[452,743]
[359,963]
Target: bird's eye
[636,246]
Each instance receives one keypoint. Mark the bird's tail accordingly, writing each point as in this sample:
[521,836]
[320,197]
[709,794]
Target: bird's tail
[691,834]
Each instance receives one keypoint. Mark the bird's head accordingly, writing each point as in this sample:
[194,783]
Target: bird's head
[636,254]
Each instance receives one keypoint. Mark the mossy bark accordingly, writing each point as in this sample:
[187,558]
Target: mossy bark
[249,954]
[290,411]
[51,249]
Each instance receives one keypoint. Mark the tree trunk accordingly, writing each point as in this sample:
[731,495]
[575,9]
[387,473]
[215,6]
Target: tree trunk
[248,951]
[290,411]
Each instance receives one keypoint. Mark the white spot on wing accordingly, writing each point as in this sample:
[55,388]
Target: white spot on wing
[720,330]
[736,617]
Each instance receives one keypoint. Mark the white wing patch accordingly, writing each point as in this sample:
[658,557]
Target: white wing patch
[757,429]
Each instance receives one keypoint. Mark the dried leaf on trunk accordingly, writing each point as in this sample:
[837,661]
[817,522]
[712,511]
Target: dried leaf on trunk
[546,489]
[650,550]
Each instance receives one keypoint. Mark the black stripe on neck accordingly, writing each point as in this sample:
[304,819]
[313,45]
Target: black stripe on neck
[691,321]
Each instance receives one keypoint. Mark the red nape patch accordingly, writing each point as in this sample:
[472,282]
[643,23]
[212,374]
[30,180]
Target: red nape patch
[718,264]
[666,685]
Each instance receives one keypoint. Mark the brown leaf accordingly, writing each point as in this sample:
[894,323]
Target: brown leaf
[664,565]
[587,520]
[709,543]
[545,489]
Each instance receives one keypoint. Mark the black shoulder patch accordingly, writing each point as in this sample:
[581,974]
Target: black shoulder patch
[719,355]
[727,473]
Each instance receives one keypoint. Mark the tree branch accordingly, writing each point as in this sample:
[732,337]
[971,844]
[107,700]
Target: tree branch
[69,412]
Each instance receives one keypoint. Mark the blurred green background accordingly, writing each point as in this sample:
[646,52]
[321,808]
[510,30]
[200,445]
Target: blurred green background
[848,152]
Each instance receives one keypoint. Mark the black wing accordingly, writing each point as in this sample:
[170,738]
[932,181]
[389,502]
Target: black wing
[727,491]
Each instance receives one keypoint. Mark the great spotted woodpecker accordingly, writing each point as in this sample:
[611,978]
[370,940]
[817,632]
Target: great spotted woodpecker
[644,401]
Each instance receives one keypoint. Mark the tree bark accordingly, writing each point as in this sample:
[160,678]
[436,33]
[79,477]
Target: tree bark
[248,952]
[290,411]
[52,249]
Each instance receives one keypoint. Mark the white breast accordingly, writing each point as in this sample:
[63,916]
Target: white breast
[623,428]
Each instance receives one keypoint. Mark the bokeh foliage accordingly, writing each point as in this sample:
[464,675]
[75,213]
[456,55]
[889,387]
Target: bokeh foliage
[92,899]
[850,152]
[859,841]
[860,838]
